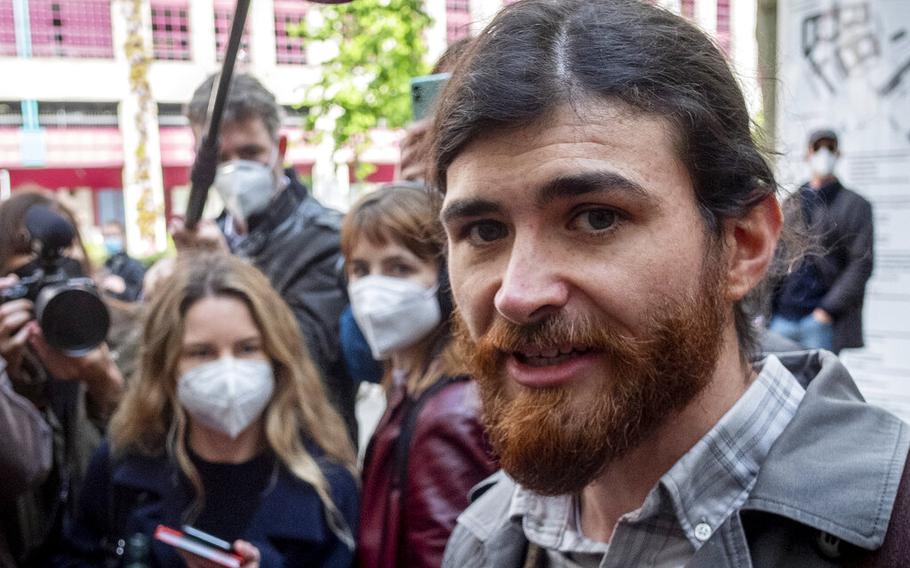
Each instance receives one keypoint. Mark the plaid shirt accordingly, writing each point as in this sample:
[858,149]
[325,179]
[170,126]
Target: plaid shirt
[696,496]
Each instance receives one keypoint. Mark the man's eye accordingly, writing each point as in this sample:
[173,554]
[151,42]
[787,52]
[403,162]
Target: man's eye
[484,232]
[594,220]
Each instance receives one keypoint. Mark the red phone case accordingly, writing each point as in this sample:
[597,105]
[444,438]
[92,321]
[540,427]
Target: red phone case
[178,539]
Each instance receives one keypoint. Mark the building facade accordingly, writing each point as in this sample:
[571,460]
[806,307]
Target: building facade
[75,117]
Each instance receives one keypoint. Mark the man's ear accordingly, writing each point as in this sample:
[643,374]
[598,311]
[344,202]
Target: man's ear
[751,240]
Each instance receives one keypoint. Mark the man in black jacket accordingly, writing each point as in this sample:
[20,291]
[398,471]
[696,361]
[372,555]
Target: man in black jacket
[123,274]
[820,302]
[271,218]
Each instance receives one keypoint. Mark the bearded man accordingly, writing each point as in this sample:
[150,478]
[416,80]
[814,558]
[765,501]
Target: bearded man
[608,217]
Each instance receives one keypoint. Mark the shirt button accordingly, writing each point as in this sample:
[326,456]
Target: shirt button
[703,531]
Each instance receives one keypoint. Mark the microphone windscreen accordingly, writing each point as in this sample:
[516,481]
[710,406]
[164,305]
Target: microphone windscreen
[50,227]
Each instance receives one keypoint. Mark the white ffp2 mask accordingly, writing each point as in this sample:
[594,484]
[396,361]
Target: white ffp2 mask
[246,186]
[227,394]
[822,162]
[393,313]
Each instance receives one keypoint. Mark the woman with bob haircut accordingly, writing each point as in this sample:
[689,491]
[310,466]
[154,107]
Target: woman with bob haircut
[428,449]
[225,428]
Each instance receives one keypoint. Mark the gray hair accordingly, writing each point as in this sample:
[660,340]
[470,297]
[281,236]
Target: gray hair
[247,99]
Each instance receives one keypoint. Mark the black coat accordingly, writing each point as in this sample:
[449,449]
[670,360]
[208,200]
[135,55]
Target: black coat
[296,243]
[132,272]
[843,235]
[135,493]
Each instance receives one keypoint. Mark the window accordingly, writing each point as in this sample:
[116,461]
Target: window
[224,15]
[687,9]
[171,30]
[71,29]
[723,25]
[458,19]
[289,48]
[7,29]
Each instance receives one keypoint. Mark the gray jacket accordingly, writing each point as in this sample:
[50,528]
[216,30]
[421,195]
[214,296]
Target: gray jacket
[297,244]
[25,451]
[825,491]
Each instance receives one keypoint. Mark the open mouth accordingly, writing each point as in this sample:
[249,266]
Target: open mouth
[551,356]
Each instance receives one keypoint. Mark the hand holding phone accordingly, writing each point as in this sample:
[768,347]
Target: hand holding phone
[424,91]
[202,550]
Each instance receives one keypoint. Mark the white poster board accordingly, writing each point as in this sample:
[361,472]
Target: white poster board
[846,65]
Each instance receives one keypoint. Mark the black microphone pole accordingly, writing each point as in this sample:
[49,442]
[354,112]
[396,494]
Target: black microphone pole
[206,162]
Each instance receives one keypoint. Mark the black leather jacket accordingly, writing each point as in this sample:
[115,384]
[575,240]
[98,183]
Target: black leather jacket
[296,242]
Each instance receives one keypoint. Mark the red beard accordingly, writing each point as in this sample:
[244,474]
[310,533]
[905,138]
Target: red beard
[555,443]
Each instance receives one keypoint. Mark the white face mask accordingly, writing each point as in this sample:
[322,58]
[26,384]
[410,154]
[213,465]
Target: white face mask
[227,394]
[393,313]
[245,186]
[822,162]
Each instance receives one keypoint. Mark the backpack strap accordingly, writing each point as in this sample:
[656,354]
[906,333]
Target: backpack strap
[403,444]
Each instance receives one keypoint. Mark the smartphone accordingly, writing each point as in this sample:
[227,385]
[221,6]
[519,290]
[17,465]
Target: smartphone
[424,91]
[201,544]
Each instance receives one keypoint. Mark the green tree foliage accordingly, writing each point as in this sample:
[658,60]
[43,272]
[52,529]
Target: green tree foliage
[380,46]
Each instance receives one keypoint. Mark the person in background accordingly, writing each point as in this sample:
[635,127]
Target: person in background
[122,275]
[226,428]
[428,449]
[415,146]
[819,304]
[74,395]
[25,453]
[271,218]
[412,167]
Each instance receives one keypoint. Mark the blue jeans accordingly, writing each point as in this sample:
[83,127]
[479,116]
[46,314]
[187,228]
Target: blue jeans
[808,331]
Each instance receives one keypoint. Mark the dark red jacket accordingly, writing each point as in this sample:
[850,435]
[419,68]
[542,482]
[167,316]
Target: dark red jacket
[447,456]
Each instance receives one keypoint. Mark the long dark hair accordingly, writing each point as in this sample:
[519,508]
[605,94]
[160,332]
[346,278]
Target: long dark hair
[14,237]
[538,54]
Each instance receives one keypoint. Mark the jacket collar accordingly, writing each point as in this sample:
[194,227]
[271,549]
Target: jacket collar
[285,204]
[263,224]
[838,465]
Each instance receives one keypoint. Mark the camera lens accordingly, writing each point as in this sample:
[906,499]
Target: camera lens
[72,317]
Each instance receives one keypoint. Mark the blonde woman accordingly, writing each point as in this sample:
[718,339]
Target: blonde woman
[225,428]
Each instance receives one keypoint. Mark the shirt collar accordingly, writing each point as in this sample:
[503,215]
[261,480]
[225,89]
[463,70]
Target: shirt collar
[713,479]
[704,488]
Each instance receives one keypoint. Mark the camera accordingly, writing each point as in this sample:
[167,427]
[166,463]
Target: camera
[73,317]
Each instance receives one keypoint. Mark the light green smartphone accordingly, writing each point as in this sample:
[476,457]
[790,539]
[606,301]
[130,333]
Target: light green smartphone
[424,91]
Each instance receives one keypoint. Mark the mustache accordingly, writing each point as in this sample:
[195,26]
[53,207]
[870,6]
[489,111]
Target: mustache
[583,333]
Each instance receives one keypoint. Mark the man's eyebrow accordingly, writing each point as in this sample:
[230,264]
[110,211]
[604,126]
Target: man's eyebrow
[574,185]
[469,207]
[251,148]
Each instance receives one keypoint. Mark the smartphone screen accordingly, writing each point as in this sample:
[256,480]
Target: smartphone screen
[424,91]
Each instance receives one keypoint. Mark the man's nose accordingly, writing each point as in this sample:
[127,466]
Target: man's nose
[532,287]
